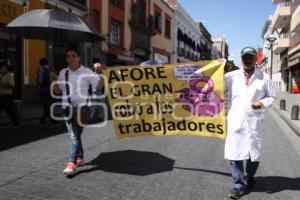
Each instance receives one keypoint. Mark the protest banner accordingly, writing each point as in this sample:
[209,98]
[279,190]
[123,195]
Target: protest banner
[179,99]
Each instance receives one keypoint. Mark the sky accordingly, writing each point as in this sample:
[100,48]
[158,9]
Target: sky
[241,21]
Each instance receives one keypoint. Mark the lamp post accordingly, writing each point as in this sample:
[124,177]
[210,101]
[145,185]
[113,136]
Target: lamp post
[271,40]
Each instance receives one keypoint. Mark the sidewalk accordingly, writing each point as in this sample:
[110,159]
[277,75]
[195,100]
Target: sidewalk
[28,113]
[291,99]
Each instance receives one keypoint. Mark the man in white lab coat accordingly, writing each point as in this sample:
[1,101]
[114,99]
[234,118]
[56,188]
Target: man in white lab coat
[250,91]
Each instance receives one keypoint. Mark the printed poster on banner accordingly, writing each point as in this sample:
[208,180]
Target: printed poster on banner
[180,99]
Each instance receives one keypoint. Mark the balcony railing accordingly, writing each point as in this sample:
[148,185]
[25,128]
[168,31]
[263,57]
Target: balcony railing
[282,16]
[146,25]
[82,4]
[282,43]
[284,36]
[285,4]
[278,1]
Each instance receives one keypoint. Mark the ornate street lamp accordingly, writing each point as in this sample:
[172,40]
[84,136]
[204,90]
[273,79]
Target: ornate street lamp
[271,38]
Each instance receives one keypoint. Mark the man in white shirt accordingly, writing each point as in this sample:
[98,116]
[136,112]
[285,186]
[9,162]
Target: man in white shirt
[74,84]
[250,91]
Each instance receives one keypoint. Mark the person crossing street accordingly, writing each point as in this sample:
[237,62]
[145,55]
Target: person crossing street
[250,92]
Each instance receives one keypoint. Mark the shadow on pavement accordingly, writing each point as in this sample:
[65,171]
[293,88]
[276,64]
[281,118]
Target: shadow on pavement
[27,133]
[131,162]
[274,184]
[204,170]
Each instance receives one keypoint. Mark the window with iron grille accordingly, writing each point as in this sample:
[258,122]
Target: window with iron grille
[157,21]
[115,37]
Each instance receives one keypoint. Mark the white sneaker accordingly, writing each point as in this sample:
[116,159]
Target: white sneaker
[70,169]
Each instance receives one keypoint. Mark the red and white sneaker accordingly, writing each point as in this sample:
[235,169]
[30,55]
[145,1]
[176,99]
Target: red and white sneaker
[70,169]
[80,162]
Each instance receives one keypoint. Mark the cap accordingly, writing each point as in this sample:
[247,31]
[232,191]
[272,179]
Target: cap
[248,51]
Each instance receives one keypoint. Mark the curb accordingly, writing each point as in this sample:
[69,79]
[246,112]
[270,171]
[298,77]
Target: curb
[287,120]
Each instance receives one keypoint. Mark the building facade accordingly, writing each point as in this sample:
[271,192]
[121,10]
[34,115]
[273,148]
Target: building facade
[266,60]
[186,35]
[215,53]
[205,47]
[280,27]
[161,45]
[135,31]
[280,57]
[294,48]
[221,46]
[23,55]
[142,29]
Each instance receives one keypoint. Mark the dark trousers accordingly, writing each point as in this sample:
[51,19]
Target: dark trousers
[238,177]
[46,101]
[7,104]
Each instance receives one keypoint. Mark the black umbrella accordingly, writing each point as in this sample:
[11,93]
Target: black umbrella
[52,25]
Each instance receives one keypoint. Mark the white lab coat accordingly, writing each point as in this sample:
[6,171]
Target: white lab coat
[245,125]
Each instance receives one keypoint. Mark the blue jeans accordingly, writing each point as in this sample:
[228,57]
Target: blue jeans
[75,132]
[237,167]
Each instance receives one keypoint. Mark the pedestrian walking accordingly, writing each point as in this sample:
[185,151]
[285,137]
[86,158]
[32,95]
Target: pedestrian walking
[250,91]
[77,79]
[44,79]
[7,84]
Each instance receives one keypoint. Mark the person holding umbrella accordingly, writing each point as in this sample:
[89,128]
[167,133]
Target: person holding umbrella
[74,90]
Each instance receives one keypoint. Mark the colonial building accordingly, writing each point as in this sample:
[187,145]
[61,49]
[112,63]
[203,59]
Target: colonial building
[215,53]
[206,42]
[266,31]
[186,35]
[281,35]
[161,45]
[135,31]
[142,29]
[221,46]
[294,49]
[23,55]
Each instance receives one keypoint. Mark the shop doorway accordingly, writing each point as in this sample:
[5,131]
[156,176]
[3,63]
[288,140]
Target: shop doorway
[10,51]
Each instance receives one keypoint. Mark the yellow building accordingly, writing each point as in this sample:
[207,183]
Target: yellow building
[162,41]
[23,55]
[114,25]
[135,31]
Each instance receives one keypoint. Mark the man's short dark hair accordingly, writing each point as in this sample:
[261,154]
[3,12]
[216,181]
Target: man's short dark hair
[43,61]
[73,49]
